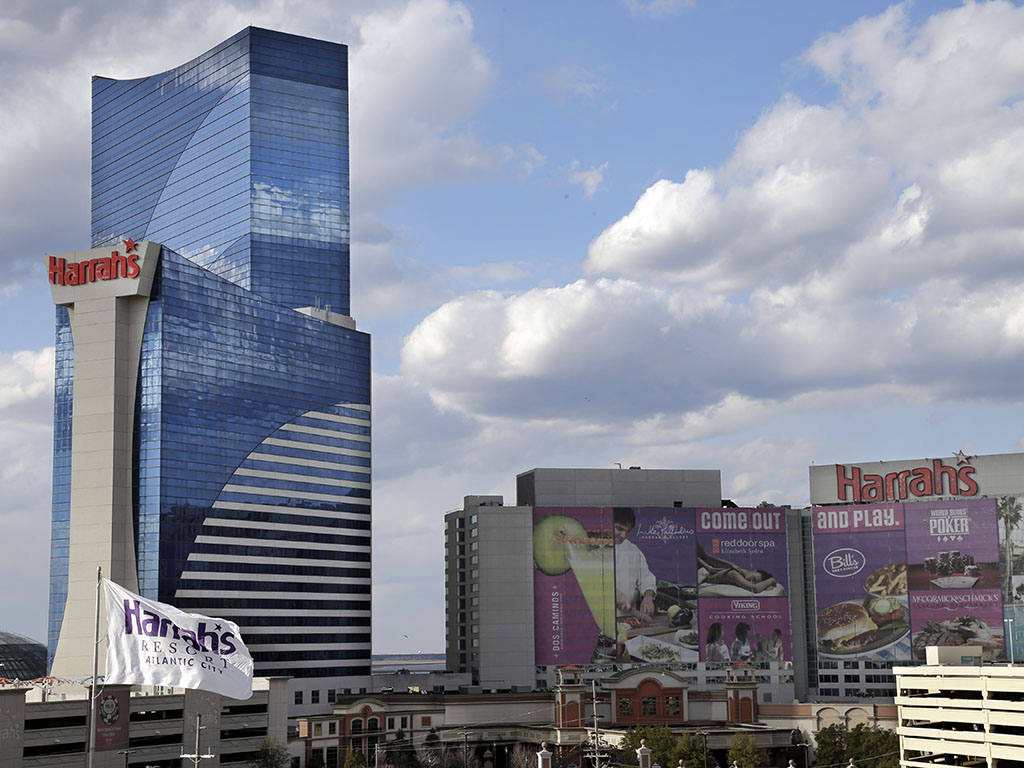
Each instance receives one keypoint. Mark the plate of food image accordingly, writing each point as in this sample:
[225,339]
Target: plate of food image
[886,580]
[965,630]
[655,651]
[858,626]
[955,582]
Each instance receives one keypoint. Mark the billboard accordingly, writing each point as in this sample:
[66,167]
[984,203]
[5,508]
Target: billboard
[647,585]
[860,576]
[893,578]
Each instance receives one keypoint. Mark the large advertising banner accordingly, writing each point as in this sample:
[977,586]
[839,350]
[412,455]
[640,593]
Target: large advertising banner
[953,545]
[620,585]
[655,585]
[955,589]
[573,585]
[892,579]
[860,569]
[750,629]
[960,617]
[741,552]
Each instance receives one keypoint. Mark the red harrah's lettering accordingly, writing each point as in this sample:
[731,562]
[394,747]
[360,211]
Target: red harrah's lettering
[939,480]
[63,272]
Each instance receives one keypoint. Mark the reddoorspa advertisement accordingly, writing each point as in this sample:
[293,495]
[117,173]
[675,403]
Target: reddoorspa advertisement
[741,552]
[895,578]
[743,583]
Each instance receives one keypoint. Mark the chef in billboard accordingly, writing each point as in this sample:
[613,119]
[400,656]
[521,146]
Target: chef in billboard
[635,585]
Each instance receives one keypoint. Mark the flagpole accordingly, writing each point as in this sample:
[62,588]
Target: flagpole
[95,668]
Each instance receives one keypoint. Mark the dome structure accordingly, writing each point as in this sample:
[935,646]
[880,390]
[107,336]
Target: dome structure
[21,658]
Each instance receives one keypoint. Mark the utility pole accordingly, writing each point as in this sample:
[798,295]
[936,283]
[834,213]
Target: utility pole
[596,755]
[196,757]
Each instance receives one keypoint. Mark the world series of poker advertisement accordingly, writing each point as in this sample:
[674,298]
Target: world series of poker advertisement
[892,579]
[660,585]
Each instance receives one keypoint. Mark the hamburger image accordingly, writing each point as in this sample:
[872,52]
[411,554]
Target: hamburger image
[845,627]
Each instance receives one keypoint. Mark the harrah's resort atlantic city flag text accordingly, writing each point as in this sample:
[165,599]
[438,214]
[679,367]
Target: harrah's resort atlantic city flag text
[151,643]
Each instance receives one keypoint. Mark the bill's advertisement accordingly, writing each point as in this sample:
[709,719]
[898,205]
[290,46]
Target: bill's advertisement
[860,569]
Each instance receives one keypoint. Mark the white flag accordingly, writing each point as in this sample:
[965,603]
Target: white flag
[151,643]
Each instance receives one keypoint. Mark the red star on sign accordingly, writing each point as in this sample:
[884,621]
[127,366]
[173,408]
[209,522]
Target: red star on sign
[129,245]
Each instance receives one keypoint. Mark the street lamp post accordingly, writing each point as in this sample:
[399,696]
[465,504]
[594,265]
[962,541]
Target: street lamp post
[704,741]
[807,753]
[1009,634]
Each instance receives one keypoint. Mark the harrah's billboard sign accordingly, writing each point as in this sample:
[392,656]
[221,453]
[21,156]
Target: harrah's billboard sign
[117,265]
[937,479]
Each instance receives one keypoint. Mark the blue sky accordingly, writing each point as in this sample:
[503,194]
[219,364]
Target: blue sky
[735,235]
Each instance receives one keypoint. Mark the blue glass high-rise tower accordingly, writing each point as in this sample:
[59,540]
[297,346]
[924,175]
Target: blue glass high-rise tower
[248,431]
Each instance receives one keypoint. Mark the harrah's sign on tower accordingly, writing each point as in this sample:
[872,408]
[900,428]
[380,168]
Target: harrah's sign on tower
[117,265]
[926,479]
[938,479]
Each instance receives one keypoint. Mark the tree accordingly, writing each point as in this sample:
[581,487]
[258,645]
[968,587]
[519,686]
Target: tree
[831,745]
[691,750]
[743,750]
[660,740]
[873,747]
[460,757]
[400,752]
[430,753]
[355,759]
[1008,512]
[271,754]
[522,756]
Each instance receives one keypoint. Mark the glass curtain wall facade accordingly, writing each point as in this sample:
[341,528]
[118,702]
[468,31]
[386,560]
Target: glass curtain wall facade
[251,445]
